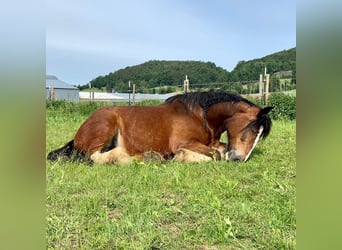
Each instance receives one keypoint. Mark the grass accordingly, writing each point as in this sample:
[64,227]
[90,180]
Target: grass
[215,205]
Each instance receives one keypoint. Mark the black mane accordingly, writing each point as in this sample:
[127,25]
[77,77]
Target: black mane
[206,99]
[262,120]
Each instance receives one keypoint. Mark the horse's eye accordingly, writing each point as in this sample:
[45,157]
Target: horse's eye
[244,136]
[255,130]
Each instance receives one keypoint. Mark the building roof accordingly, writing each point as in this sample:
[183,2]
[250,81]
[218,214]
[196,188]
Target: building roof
[53,82]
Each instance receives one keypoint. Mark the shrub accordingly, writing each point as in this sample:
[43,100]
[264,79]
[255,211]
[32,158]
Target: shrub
[86,108]
[284,106]
[82,108]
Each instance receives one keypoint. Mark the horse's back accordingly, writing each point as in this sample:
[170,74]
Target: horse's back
[138,129]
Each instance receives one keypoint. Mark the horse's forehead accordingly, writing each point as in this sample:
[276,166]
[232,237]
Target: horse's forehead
[252,110]
[247,113]
[242,118]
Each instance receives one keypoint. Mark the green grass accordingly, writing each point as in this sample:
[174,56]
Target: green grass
[215,205]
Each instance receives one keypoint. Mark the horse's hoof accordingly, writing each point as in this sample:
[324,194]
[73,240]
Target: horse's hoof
[152,156]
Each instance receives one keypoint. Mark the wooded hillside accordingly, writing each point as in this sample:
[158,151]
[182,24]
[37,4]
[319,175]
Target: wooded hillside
[154,74]
[280,61]
[162,73]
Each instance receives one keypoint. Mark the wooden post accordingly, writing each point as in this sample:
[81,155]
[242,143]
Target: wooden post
[267,87]
[264,87]
[51,93]
[133,94]
[186,84]
[129,93]
[260,87]
[90,95]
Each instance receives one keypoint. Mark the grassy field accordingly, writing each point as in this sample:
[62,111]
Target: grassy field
[216,205]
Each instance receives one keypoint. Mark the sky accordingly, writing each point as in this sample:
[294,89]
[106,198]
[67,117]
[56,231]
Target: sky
[86,38]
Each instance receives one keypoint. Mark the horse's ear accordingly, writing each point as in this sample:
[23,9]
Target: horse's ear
[264,111]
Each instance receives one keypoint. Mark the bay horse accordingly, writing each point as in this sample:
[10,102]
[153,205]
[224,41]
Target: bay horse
[186,127]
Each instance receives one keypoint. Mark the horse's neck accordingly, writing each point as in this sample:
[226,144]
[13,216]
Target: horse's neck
[218,113]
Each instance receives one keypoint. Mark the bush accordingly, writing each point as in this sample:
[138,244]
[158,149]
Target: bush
[284,106]
[86,108]
[82,108]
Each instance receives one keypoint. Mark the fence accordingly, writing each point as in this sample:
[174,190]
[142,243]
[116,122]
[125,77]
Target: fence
[260,89]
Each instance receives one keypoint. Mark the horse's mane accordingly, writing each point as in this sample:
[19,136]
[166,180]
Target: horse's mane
[204,100]
[262,120]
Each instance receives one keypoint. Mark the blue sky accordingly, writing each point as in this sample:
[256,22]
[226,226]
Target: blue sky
[85,39]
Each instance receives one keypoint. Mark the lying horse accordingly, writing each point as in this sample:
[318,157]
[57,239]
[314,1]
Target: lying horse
[186,127]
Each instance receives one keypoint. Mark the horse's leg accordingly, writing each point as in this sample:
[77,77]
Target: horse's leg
[221,148]
[117,155]
[186,155]
[99,137]
[196,152]
[150,156]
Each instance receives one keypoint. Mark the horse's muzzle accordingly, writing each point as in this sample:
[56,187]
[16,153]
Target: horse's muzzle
[234,156]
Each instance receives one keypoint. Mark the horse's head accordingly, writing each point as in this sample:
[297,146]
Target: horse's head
[244,129]
[244,122]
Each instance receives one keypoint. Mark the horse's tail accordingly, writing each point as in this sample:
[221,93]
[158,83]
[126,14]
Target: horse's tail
[66,151]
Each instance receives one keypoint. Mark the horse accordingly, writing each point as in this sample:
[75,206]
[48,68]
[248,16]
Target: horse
[185,127]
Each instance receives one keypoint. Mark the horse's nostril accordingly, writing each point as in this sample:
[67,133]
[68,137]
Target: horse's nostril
[237,158]
[232,156]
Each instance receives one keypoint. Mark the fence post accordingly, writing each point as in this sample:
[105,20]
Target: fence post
[129,93]
[260,87]
[186,84]
[133,94]
[267,87]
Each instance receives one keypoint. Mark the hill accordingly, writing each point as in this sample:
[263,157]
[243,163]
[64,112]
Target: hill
[250,70]
[155,74]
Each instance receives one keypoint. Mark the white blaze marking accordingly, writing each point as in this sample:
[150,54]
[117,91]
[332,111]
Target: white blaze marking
[255,142]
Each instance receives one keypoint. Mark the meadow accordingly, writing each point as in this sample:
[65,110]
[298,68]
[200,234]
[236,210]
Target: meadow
[214,205]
